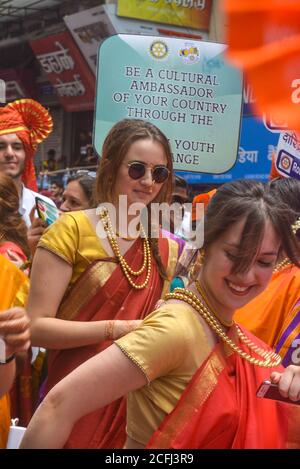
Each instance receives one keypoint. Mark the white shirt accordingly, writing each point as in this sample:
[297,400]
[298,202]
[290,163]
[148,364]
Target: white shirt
[27,201]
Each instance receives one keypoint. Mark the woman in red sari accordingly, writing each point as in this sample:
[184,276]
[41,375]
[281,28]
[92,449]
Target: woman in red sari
[191,373]
[92,270]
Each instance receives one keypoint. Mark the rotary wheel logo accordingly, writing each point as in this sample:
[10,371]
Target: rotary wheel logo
[159,50]
[285,163]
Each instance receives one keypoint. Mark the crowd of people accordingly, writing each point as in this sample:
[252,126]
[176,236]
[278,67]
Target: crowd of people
[117,331]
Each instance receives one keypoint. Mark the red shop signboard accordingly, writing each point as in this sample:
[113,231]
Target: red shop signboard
[66,69]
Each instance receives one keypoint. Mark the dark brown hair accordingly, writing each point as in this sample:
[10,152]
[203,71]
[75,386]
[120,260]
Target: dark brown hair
[12,225]
[256,203]
[288,190]
[115,147]
[87,184]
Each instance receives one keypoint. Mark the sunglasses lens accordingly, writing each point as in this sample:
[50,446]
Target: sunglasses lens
[160,174]
[136,170]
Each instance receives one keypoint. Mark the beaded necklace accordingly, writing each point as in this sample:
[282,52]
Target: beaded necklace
[127,270]
[204,297]
[270,359]
[281,265]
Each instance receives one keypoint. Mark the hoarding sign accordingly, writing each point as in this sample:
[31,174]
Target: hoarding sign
[288,154]
[184,87]
[66,69]
[190,13]
[90,27]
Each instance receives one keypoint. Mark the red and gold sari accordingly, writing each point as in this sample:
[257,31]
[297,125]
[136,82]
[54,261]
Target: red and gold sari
[219,409]
[102,292]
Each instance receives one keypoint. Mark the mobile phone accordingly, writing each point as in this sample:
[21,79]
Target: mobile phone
[270,391]
[47,212]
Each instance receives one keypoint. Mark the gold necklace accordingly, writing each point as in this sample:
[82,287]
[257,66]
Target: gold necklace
[281,265]
[270,359]
[127,270]
[127,238]
[204,297]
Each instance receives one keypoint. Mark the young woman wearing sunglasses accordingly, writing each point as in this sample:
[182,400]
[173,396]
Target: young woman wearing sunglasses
[82,286]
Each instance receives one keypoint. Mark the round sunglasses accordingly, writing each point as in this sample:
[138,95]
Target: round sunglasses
[137,170]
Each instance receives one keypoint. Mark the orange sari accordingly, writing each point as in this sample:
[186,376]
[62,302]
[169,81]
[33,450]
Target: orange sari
[219,409]
[11,282]
[102,294]
[270,315]
[21,403]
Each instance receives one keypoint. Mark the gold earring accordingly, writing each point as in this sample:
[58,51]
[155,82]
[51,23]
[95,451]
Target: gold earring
[201,256]
[195,269]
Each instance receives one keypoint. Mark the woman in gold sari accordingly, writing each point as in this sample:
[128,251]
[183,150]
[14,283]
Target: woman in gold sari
[191,373]
[90,272]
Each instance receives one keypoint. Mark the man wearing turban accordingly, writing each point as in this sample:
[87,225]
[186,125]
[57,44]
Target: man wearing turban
[23,125]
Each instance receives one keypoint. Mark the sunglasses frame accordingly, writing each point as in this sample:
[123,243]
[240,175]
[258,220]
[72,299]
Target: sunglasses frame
[131,163]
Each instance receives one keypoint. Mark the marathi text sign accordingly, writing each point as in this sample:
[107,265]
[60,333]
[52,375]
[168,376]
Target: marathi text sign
[66,70]
[190,13]
[184,87]
[288,154]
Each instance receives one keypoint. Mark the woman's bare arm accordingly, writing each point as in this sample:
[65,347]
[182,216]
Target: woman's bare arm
[94,384]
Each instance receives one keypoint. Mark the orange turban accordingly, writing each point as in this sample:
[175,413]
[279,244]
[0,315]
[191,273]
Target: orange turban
[32,123]
[201,199]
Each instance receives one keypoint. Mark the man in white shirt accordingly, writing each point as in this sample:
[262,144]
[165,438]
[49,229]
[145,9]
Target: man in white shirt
[23,124]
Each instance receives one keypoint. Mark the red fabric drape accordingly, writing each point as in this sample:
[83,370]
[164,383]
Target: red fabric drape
[219,408]
[105,428]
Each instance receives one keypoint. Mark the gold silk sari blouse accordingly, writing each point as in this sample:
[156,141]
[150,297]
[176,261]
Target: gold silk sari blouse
[168,347]
[73,238]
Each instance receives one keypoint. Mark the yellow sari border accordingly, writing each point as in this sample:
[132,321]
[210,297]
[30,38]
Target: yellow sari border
[86,288]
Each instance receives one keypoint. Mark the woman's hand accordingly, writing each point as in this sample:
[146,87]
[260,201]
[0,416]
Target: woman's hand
[35,231]
[14,328]
[14,258]
[288,382]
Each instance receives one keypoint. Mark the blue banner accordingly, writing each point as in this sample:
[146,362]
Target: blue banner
[254,156]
